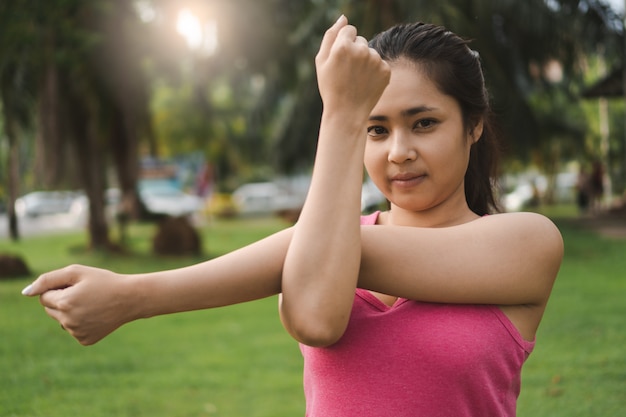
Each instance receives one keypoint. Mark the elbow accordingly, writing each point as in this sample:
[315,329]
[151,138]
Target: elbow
[312,330]
[316,337]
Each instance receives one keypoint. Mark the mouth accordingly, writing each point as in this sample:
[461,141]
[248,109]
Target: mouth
[406,180]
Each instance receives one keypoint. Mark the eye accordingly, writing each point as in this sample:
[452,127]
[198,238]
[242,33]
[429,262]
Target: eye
[376,131]
[425,124]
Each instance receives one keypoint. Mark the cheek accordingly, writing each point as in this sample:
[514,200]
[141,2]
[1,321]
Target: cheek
[458,161]
[446,160]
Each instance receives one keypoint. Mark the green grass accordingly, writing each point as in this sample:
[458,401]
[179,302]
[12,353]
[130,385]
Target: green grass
[578,367]
[238,361]
[234,361]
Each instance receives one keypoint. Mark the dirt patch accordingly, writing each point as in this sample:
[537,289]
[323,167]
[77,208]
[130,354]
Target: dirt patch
[611,224]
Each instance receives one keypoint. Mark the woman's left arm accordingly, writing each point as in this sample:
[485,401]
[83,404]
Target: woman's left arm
[504,259]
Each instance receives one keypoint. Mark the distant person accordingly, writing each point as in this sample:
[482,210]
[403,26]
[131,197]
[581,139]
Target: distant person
[583,191]
[205,182]
[427,309]
[596,186]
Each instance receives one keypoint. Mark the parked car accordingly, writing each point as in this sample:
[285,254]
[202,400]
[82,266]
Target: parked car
[266,198]
[40,203]
[518,198]
[528,188]
[276,197]
[164,197]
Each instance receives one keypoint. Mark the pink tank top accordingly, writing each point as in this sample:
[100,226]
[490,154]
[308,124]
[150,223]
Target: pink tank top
[417,359]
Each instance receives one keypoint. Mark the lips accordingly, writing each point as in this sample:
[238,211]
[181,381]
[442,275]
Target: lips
[407,179]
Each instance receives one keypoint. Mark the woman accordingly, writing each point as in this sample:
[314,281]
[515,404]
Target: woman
[429,308]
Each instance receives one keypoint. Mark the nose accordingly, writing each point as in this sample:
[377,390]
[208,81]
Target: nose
[401,148]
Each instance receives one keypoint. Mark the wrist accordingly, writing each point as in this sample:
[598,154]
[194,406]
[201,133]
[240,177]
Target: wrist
[346,120]
[134,297]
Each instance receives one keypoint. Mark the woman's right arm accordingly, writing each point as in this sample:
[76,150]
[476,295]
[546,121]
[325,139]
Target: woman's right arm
[90,303]
[483,264]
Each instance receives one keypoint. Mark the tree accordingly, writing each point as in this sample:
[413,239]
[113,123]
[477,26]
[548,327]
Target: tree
[16,94]
[83,75]
[91,118]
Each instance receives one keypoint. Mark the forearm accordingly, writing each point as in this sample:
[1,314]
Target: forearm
[322,263]
[90,303]
[249,273]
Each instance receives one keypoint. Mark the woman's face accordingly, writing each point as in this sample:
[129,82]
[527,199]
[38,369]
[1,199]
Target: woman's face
[417,148]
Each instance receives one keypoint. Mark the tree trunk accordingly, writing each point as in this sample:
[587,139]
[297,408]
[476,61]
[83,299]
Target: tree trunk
[92,167]
[13,173]
[14,184]
[50,161]
[124,150]
[90,154]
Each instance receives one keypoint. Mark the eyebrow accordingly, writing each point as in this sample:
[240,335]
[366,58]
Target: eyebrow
[405,113]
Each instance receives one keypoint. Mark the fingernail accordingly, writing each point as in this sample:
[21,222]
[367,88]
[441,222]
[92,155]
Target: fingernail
[340,17]
[27,290]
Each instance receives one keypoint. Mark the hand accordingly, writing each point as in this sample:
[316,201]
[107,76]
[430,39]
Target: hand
[350,74]
[86,301]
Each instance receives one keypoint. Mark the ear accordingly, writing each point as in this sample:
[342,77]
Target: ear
[476,131]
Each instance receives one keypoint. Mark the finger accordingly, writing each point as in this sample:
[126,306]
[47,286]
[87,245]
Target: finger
[347,32]
[361,41]
[50,299]
[53,314]
[61,317]
[61,278]
[330,36]
[374,53]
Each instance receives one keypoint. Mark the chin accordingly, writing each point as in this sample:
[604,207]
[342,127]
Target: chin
[411,204]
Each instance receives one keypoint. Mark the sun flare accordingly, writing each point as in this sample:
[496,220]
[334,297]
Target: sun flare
[198,36]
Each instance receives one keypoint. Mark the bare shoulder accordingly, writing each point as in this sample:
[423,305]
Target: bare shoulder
[527,232]
[533,225]
[523,224]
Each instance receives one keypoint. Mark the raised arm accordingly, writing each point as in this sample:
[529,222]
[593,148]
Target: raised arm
[322,264]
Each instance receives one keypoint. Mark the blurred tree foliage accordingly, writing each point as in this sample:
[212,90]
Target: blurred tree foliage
[87,86]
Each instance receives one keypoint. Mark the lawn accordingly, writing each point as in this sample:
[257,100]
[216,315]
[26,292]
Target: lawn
[578,367]
[238,361]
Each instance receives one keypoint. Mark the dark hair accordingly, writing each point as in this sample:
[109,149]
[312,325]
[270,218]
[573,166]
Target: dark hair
[456,70]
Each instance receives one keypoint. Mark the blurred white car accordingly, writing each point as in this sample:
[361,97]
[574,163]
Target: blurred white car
[40,203]
[163,197]
[273,197]
[265,198]
[518,198]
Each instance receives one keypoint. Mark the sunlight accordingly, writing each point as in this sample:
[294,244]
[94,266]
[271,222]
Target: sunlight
[188,25]
[199,37]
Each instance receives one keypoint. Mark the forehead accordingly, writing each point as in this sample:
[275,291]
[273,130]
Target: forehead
[409,87]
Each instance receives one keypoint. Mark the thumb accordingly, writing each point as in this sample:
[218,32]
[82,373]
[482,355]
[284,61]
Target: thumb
[54,280]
